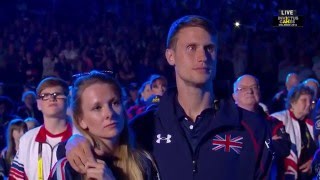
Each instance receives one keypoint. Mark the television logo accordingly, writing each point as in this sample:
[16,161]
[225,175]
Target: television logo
[288,18]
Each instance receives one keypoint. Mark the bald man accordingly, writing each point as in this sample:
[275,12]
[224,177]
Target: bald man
[246,94]
[292,80]
[279,100]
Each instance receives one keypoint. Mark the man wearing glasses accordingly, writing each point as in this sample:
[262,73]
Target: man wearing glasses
[246,94]
[37,152]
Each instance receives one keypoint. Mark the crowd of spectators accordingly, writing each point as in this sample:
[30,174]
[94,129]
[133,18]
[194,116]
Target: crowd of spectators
[60,38]
[129,39]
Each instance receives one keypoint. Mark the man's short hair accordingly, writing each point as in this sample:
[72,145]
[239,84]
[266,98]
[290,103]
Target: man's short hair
[188,21]
[52,82]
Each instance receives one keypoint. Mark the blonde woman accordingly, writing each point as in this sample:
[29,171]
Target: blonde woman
[100,116]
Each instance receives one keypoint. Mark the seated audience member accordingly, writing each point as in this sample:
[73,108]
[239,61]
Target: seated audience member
[15,130]
[314,85]
[132,92]
[279,100]
[316,120]
[158,84]
[144,94]
[6,114]
[38,154]
[315,107]
[246,93]
[300,129]
[29,107]
[31,123]
[100,116]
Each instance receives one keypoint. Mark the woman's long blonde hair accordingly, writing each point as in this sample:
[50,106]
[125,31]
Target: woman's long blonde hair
[127,159]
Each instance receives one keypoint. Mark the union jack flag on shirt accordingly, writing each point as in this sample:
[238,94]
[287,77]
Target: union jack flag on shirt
[228,143]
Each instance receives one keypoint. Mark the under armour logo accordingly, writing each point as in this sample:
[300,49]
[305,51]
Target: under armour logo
[167,139]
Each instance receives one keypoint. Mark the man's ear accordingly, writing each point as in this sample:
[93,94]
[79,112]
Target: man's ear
[170,56]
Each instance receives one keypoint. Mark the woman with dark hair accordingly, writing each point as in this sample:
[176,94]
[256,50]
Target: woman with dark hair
[16,128]
[99,115]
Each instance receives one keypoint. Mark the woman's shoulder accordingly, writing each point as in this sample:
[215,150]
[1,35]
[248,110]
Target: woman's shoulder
[281,115]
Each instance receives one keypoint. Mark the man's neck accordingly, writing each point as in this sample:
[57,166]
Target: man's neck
[194,99]
[55,125]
